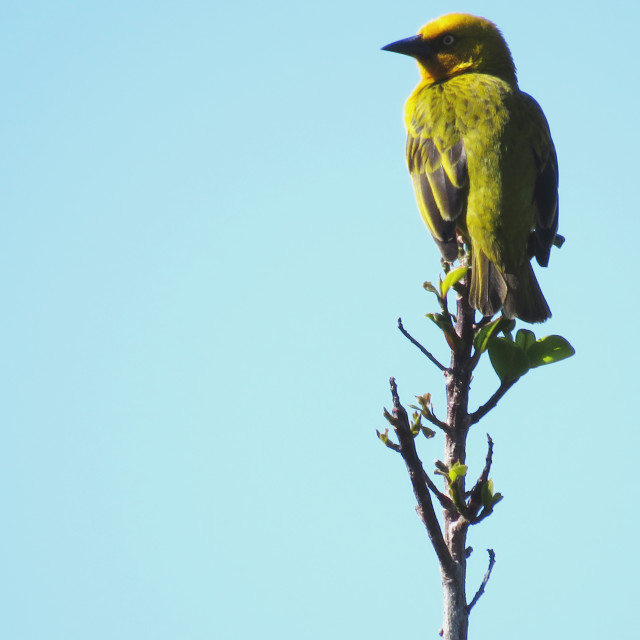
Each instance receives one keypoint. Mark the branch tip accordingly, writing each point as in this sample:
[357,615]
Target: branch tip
[420,481]
[487,575]
[413,341]
[482,411]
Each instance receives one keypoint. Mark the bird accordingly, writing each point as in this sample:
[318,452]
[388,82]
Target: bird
[482,162]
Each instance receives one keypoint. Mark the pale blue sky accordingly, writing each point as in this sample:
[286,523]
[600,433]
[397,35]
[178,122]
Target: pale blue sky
[208,234]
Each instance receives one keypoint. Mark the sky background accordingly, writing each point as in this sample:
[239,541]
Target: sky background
[207,235]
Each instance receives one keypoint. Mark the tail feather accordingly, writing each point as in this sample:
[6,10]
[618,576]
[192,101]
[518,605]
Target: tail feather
[518,296]
[524,298]
[488,289]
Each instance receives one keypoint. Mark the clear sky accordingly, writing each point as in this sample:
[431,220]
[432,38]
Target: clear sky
[207,235]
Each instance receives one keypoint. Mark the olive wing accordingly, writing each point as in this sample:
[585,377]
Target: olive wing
[545,194]
[440,182]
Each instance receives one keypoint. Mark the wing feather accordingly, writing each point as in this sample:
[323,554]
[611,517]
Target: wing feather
[545,194]
[441,185]
[546,199]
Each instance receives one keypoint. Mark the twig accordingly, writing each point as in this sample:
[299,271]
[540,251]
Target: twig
[492,402]
[411,339]
[445,501]
[484,476]
[475,500]
[487,575]
[385,440]
[436,422]
[417,475]
[485,513]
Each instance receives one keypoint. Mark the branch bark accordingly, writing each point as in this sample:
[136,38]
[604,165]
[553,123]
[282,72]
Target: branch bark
[458,379]
[487,575]
[417,475]
[460,508]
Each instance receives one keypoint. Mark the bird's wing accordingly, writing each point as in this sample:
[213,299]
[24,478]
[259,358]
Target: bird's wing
[545,193]
[440,181]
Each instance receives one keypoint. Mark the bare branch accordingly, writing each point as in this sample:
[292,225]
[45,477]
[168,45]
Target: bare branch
[475,501]
[445,501]
[411,339]
[485,513]
[487,575]
[436,422]
[487,465]
[484,476]
[482,411]
[417,475]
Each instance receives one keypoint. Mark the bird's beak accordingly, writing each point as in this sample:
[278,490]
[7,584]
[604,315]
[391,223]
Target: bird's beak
[415,46]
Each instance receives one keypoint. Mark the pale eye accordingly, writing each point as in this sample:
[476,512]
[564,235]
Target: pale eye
[448,40]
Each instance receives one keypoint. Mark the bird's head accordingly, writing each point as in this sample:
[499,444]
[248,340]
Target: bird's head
[458,43]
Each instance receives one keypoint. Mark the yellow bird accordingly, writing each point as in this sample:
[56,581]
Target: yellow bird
[482,162]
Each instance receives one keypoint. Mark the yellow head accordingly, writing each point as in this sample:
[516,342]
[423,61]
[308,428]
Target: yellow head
[458,43]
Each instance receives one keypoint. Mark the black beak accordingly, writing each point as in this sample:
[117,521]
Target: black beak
[415,46]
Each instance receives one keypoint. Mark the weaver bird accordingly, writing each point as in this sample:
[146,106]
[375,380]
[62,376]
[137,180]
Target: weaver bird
[482,162]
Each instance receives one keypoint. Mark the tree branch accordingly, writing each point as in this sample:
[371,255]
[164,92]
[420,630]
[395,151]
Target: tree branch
[436,422]
[417,475]
[484,476]
[445,501]
[487,575]
[475,500]
[482,411]
[411,339]
[384,438]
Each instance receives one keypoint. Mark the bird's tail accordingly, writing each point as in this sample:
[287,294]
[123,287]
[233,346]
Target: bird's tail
[518,296]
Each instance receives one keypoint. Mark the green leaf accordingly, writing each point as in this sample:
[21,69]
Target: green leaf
[455,275]
[428,433]
[443,322]
[496,498]
[427,286]
[547,350]
[508,359]
[416,424]
[481,341]
[457,470]
[487,493]
[425,402]
[384,436]
[525,338]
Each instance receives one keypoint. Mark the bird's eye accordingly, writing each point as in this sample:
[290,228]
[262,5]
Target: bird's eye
[448,40]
